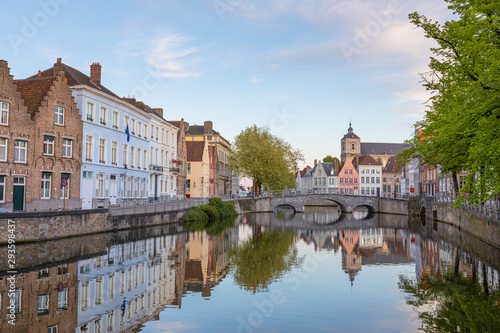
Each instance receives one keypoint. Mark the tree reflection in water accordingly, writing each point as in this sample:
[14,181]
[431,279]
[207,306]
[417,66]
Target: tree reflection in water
[454,302]
[264,258]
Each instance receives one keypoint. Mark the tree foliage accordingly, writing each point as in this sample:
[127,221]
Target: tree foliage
[270,160]
[461,128]
[261,260]
[463,305]
[330,159]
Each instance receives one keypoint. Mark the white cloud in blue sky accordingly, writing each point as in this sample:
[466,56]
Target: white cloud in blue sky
[242,62]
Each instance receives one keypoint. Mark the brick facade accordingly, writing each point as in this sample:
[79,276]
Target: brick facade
[31,119]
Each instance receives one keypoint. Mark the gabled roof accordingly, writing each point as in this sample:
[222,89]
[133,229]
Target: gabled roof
[75,78]
[34,90]
[391,165]
[307,169]
[365,160]
[330,169]
[377,148]
[199,130]
[195,151]
[176,123]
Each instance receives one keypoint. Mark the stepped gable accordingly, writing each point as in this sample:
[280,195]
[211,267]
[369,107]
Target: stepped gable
[34,90]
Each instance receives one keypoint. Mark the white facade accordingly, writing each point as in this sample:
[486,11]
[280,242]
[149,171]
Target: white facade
[370,179]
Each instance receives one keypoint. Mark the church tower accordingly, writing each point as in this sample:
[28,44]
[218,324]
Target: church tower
[350,145]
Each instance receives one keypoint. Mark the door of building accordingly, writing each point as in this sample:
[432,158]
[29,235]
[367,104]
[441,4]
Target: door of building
[113,187]
[18,193]
[87,190]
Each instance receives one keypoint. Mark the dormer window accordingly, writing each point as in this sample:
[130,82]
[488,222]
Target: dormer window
[4,113]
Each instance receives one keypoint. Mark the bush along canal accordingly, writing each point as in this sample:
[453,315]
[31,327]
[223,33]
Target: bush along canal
[214,217]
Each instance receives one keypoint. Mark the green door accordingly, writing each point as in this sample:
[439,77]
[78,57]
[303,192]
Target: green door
[18,197]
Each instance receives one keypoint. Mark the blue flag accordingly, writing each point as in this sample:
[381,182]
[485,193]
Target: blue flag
[128,134]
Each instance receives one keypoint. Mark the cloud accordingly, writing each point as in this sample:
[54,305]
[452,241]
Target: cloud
[169,55]
[255,79]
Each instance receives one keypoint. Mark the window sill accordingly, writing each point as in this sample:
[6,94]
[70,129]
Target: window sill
[48,154]
[19,162]
[60,125]
[67,156]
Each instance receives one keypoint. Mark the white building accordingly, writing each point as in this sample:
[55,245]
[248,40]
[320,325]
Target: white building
[370,175]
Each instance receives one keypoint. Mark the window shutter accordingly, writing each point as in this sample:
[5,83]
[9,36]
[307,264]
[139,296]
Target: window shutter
[107,186]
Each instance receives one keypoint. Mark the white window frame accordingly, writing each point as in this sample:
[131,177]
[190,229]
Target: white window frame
[139,129]
[43,304]
[2,188]
[3,146]
[114,152]
[65,190]
[115,120]
[90,112]
[19,149]
[132,127]
[132,156]
[4,113]
[48,145]
[67,147]
[125,155]
[62,299]
[102,150]
[139,155]
[145,159]
[89,148]
[59,115]
[46,185]
[100,185]
[103,116]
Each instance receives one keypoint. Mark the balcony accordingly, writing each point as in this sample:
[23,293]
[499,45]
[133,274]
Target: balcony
[115,127]
[155,168]
[175,169]
[89,118]
[102,122]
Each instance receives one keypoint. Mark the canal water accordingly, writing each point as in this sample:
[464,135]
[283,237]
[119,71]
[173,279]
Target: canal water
[320,271]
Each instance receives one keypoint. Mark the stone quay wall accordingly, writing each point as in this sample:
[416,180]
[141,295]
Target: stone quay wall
[41,226]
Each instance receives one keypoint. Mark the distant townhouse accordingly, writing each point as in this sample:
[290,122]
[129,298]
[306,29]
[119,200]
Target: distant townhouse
[391,175]
[325,177]
[299,175]
[181,160]
[40,130]
[307,183]
[348,178]
[115,144]
[370,173]
[198,169]
[222,147]
[163,147]
[428,177]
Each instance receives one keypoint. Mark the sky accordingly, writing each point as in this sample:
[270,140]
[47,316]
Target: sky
[304,68]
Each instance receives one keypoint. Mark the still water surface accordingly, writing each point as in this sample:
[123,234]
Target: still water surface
[314,272]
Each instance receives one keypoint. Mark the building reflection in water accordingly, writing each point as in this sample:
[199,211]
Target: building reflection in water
[131,283]
[322,214]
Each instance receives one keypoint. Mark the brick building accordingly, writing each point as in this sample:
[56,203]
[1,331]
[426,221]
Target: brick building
[42,132]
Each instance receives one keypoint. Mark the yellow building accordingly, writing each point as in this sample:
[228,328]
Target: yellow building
[219,172]
[198,169]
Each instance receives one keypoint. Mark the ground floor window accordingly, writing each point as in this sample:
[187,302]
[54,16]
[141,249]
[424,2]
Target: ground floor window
[65,190]
[46,180]
[99,191]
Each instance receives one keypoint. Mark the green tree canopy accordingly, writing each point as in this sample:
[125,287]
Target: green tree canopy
[330,159]
[261,260]
[270,160]
[461,128]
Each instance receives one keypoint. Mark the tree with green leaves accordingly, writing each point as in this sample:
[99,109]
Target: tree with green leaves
[330,159]
[461,128]
[264,258]
[268,159]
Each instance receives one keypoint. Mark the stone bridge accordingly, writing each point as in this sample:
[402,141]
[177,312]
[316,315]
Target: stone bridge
[347,203]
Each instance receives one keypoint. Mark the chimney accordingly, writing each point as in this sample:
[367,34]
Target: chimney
[95,73]
[39,73]
[315,162]
[57,67]
[159,111]
[207,127]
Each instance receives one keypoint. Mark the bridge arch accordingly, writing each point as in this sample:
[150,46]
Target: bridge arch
[338,202]
[287,204]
